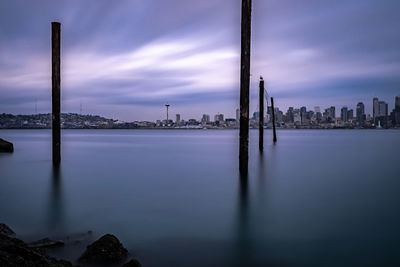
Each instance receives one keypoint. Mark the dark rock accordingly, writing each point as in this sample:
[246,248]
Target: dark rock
[46,243]
[6,146]
[5,230]
[105,250]
[132,263]
[14,252]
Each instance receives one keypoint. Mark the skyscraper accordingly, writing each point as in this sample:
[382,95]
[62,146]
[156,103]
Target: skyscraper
[205,119]
[360,113]
[178,118]
[383,109]
[397,111]
[350,115]
[237,115]
[218,117]
[318,114]
[303,114]
[333,112]
[343,114]
[290,115]
[375,107]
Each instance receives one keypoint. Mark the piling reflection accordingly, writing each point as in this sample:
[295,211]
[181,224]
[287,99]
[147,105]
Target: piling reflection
[242,247]
[261,175]
[249,223]
[56,209]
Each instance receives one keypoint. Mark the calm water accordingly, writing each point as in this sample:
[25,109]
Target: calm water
[174,197]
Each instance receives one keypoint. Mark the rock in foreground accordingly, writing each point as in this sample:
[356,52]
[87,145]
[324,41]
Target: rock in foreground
[14,252]
[5,230]
[6,146]
[132,263]
[46,243]
[107,249]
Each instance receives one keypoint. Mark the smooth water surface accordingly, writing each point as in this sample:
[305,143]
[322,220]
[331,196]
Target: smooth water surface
[175,198]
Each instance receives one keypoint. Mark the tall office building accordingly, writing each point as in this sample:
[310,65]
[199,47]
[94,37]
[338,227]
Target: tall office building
[219,117]
[360,113]
[303,114]
[350,115]
[290,115]
[205,119]
[237,115]
[332,112]
[383,109]
[256,116]
[397,103]
[318,114]
[178,118]
[343,114]
[375,107]
[396,119]
[296,116]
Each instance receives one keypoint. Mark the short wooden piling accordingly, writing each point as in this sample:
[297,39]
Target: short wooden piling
[261,117]
[56,81]
[273,118]
[244,87]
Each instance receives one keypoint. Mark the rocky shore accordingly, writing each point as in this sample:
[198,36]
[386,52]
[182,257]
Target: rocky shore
[6,146]
[107,250]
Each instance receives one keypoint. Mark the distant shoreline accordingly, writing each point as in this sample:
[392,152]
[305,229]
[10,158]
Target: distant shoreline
[199,129]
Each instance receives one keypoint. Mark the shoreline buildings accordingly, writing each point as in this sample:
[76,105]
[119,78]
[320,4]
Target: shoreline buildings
[294,118]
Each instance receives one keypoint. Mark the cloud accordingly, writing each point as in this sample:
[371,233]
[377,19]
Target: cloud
[136,53]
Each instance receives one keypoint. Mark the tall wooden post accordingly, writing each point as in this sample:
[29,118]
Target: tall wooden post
[244,87]
[261,116]
[273,118]
[56,81]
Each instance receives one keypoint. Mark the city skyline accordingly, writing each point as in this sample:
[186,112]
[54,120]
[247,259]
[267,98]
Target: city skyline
[232,114]
[119,62]
[294,117]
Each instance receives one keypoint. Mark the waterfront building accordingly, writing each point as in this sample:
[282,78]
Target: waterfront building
[350,115]
[278,116]
[396,118]
[219,117]
[290,115]
[375,107]
[256,116]
[303,114]
[360,113]
[383,109]
[343,114]
[332,112]
[205,119]
[296,116]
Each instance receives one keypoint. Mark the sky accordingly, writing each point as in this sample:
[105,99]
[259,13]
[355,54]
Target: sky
[125,59]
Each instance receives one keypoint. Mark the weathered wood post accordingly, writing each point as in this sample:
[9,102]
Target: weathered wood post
[273,118]
[261,115]
[56,80]
[244,87]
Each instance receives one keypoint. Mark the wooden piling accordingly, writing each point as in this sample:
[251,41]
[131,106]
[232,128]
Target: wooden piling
[273,118]
[56,81]
[261,117]
[244,87]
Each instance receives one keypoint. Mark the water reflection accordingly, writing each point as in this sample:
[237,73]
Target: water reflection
[56,208]
[242,247]
[248,249]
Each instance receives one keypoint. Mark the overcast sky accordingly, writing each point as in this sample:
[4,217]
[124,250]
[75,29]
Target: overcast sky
[125,59]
